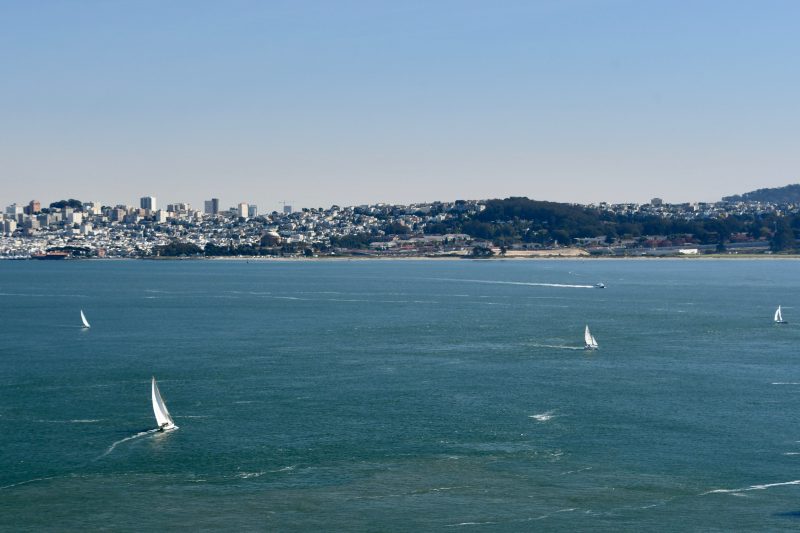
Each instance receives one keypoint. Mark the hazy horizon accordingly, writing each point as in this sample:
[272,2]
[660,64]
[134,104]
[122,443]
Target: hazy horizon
[350,102]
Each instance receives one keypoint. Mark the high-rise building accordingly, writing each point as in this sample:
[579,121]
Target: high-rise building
[252,211]
[287,209]
[242,210]
[179,207]
[33,207]
[656,202]
[212,206]
[9,226]
[148,202]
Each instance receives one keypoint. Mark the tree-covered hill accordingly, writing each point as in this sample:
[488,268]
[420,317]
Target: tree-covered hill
[521,220]
[790,194]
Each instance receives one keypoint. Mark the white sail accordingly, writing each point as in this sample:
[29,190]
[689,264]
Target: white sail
[588,339]
[163,419]
[778,315]
[83,319]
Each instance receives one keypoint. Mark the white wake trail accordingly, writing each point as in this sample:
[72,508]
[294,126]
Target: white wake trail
[752,487]
[524,283]
[556,346]
[126,439]
[543,417]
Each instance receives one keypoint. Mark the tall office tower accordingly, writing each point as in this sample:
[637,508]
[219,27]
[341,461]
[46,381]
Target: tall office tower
[241,210]
[252,211]
[212,206]
[148,202]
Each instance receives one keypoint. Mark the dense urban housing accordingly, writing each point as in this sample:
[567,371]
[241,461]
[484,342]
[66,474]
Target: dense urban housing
[513,227]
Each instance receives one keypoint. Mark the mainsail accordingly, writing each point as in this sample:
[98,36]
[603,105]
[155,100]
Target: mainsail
[778,315]
[85,322]
[589,340]
[163,418]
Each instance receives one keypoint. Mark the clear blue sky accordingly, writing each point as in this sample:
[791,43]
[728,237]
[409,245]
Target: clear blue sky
[350,102]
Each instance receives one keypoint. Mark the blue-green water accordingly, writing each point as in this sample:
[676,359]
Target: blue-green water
[400,396]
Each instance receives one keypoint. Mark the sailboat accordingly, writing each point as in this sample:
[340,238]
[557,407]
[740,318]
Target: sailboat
[590,343]
[779,316]
[83,319]
[163,418]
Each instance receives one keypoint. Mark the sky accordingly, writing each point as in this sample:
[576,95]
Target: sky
[351,102]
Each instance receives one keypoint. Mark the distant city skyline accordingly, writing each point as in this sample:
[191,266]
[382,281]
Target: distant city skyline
[286,207]
[355,102]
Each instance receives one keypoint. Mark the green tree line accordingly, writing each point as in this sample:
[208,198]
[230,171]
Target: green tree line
[521,220]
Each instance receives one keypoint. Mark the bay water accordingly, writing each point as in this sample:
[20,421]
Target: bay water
[401,395]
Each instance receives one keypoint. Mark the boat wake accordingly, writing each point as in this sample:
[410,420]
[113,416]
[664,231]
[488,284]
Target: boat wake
[26,482]
[752,487]
[248,475]
[126,439]
[73,421]
[543,417]
[285,469]
[557,347]
[516,520]
[523,283]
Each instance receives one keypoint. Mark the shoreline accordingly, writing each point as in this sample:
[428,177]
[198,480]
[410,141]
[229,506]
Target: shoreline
[554,257]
